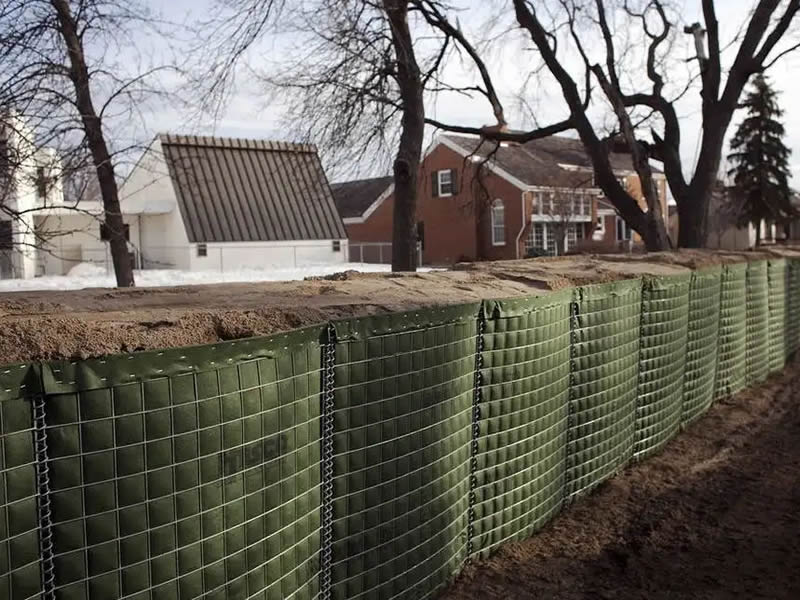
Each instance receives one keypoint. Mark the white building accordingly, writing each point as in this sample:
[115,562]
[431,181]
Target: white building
[190,203]
[204,203]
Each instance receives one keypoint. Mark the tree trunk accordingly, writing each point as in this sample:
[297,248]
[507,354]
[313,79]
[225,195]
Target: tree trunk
[79,73]
[406,164]
[691,222]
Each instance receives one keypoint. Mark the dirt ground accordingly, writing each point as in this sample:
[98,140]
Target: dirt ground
[714,516]
[86,323]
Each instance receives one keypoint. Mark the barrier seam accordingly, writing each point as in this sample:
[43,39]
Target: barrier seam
[326,424]
[46,554]
[573,332]
[475,431]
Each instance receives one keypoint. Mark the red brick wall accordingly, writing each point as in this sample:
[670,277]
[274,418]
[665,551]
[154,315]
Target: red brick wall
[452,231]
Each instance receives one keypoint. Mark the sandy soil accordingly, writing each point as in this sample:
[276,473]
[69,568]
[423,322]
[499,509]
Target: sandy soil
[84,323]
[714,516]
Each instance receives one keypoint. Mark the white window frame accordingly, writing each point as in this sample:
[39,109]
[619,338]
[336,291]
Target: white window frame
[439,182]
[498,204]
[600,225]
[627,230]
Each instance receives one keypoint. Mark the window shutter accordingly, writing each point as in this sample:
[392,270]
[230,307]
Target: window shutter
[435,184]
[454,181]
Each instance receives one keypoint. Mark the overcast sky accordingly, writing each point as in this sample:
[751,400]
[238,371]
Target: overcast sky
[248,115]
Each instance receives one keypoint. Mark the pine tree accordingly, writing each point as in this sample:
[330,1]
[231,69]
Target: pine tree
[760,161]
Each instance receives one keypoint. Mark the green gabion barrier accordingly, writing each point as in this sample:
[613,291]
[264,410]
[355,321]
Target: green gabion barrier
[20,576]
[404,395]
[664,322]
[702,343]
[188,473]
[778,274]
[605,367]
[793,307]
[523,417]
[732,365]
[757,354]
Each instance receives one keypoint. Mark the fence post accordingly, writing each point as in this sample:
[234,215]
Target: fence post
[475,432]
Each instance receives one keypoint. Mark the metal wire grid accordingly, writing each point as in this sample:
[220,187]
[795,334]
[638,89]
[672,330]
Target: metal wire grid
[777,273]
[757,354]
[702,341]
[20,575]
[605,367]
[793,307]
[205,485]
[523,422]
[664,322]
[732,365]
[402,438]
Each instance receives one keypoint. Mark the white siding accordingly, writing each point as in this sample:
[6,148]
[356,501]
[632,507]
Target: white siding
[267,255]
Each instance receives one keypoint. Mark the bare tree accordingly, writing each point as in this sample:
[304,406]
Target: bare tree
[69,73]
[355,84]
[564,28]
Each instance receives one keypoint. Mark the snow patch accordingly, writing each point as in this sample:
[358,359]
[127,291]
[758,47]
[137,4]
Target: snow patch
[87,275]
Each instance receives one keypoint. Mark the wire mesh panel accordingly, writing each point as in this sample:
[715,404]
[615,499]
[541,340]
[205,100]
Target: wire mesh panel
[793,307]
[731,369]
[605,368]
[188,473]
[702,343]
[20,576]
[777,273]
[757,322]
[405,386]
[659,405]
[523,417]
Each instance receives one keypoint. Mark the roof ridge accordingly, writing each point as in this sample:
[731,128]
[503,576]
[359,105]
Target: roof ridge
[176,139]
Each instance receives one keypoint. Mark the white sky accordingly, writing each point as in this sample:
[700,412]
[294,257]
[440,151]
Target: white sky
[248,115]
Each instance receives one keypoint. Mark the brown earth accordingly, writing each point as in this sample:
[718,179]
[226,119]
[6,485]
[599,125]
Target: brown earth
[714,516]
[85,323]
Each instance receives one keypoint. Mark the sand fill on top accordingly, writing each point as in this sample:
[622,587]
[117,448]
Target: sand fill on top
[95,322]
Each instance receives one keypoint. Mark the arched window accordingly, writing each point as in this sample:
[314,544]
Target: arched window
[498,223]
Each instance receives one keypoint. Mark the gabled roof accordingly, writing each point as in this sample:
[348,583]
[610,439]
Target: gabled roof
[239,190]
[353,198]
[554,161]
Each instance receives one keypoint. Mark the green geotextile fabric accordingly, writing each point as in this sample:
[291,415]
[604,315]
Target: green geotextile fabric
[605,368]
[777,274]
[793,307]
[664,322]
[732,362]
[404,393]
[757,323]
[523,417]
[702,343]
[188,473]
[19,528]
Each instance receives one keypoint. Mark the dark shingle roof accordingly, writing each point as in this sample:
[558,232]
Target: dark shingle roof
[237,190]
[553,161]
[353,198]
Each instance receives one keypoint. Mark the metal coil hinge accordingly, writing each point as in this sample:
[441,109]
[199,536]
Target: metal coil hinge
[328,391]
[475,433]
[47,562]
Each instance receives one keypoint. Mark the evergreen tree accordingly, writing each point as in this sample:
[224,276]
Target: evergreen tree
[760,161]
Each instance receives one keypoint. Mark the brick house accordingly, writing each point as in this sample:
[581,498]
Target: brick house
[478,202]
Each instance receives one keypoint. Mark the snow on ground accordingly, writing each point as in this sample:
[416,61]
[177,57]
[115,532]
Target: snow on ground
[86,275]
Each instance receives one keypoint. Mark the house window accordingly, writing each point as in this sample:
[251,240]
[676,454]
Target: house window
[539,236]
[444,182]
[41,183]
[600,226]
[574,235]
[337,245]
[6,238]
[498,223]
[202,250]
[624,231]
[105,232]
